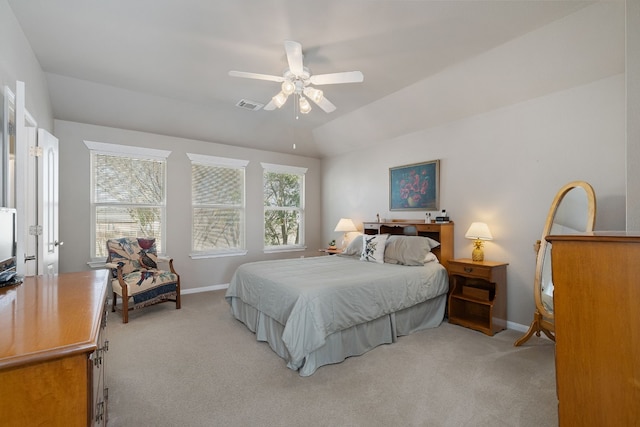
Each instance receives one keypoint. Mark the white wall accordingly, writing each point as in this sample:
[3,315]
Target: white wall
[18,62]
[502,168]
[75,198]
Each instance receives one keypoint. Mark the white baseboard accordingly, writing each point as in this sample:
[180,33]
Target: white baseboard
[517,327]
[204,289]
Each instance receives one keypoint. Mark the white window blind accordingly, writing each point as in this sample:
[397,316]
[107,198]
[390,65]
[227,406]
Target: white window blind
[128,197]
[218,206]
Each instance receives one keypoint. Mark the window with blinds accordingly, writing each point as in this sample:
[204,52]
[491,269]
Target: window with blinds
[129,194]
[218,206]
[283,207]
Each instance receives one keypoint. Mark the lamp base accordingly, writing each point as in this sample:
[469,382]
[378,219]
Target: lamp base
[345,242]
[478,253]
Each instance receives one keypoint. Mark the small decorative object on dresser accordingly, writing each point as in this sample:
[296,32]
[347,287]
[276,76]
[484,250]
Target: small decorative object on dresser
[478,298]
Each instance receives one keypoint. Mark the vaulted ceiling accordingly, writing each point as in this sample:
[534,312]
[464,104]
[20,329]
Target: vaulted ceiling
[161,66]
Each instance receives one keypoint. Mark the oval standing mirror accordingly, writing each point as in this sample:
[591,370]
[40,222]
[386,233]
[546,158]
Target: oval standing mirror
[573,210]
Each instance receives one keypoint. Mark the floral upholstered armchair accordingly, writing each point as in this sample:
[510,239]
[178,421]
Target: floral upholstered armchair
[136,275]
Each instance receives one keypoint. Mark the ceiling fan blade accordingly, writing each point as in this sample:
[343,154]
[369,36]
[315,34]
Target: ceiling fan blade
[336,78]
[270,106]
[326,105]
[294,56]
[256,76]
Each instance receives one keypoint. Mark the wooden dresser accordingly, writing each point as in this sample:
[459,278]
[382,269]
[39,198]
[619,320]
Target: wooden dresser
[597,324]
[52,349]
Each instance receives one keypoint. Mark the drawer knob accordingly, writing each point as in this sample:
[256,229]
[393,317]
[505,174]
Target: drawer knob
[468,269]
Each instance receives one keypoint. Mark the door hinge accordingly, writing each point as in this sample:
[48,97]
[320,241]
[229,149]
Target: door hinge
[35,230]
[35,151]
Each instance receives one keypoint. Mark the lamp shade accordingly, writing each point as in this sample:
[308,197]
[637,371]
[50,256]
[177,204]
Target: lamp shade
[304,105]
[345,225]
[479,231]
[288,87]
[280,99]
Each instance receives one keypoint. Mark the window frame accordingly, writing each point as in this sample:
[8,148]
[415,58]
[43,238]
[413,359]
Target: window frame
[291,170]
[127,151]
[225,162]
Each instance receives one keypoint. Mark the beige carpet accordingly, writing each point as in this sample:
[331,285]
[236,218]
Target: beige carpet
[200,367]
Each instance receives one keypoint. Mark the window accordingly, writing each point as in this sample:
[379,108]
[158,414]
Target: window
[283,207]
[128,194]
[218,206]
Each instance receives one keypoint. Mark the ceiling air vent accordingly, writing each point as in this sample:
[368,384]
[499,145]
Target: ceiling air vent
[249,105]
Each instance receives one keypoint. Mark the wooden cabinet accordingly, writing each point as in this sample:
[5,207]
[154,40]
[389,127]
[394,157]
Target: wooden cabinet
[443,233]
[597,326]
[52,351]
[478,295]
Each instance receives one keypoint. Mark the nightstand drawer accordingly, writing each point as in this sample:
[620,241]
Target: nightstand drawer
[468,270]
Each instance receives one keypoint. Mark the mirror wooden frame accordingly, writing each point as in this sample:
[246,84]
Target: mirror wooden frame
[543,319]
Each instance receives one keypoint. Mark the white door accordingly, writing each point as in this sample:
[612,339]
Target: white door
[48,242]
[31,204]
[36,195]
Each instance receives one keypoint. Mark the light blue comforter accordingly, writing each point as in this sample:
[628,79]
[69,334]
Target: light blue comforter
[315,297]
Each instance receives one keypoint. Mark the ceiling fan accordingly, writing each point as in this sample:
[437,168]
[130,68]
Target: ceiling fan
[297,81]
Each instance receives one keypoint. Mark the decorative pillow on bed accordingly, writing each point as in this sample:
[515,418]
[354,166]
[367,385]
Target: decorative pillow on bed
[407,250]
[373,247]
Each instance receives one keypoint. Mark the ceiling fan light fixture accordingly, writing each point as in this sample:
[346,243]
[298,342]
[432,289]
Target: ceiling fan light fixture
[316,95]
[296,80]
[288,87]
[280,99]
[304,105]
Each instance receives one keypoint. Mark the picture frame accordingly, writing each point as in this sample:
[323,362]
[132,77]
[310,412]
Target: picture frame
[415,187]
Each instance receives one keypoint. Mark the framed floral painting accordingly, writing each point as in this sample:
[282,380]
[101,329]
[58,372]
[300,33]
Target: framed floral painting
[415,187]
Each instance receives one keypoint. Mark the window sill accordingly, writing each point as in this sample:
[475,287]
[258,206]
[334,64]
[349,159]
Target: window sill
[206,255]
[285,249]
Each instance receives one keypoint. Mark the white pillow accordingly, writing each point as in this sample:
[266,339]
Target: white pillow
[354,248]
[373,247]
[430,257]
[406,250]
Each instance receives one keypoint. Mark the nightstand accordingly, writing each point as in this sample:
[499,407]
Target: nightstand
[330,251]
[478,294]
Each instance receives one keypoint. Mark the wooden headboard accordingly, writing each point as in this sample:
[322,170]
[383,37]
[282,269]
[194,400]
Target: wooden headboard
[443,233]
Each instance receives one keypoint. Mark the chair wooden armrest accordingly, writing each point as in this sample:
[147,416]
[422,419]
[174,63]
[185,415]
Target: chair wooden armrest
[168,260]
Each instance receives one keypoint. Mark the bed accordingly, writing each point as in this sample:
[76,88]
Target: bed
[316,311]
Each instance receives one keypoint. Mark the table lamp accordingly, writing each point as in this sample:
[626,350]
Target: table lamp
[478,231]
[345,225]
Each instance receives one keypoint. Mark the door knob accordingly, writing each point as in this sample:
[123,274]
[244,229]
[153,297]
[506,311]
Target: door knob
[56,243]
